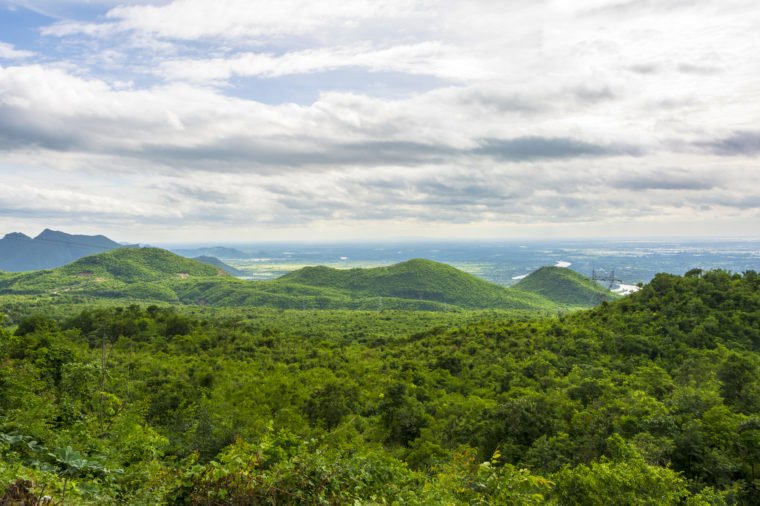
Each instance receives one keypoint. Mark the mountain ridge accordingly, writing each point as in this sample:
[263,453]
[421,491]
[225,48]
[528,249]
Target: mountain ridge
[49,249]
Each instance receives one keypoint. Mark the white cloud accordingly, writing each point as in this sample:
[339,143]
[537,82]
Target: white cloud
[54,109]
[9,52]
[425,58]
[243,19]
[539,112]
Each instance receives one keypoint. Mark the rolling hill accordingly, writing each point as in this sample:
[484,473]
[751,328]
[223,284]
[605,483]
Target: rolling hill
[564,286]
[132,265]
[151,274]
[209,260]
[135,273]
[416,279]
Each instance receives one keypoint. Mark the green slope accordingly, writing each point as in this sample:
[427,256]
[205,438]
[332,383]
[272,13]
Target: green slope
[140,273]
[139,265]
[564,286]
[219,265]
[151,274]
[417,280]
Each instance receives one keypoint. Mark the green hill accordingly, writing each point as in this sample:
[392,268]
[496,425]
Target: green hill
[417,280]
[136,273]
[564,286]
[152,274]
[219,265]
[139,265]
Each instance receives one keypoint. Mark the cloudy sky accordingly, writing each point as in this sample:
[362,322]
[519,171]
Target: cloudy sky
[245,120]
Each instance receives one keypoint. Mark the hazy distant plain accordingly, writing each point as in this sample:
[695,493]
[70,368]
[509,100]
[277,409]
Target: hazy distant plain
[632,261]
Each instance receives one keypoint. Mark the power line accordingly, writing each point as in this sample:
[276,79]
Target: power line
[611,278]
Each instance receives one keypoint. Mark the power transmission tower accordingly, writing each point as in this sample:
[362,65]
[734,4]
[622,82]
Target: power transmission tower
[607,278]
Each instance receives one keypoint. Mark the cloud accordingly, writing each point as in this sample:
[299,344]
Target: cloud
[537,148]
[741,143]
[665,179]
[425,58]
[233,114]
[195,128]
[9,52]
[240,19]
[704,70]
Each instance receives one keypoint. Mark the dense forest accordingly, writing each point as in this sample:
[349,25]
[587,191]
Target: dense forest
[650,399]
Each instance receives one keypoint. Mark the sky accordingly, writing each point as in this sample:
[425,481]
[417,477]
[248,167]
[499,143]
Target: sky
[249,120]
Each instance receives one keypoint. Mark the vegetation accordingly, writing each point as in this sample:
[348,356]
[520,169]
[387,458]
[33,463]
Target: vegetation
[219,265]
[650,399]
[415,279]
[564,286]
[150,274]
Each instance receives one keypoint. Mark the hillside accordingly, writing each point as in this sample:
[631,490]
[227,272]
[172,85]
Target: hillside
[153,274]
[133,265]
[652,399]
[564,286]
[417,279]
[209,260]
[135,273]
[159,275]
[50,249]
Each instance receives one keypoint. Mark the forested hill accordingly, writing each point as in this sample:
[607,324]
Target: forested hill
[697,310]
[653,399]
[564,286]
[219,265]
[126,273]
[151,274]
[417,279]
[19,252]
[134,265]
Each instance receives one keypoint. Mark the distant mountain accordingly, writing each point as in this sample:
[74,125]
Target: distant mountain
[216,251]
[564,286]
[19,252]
[221,265]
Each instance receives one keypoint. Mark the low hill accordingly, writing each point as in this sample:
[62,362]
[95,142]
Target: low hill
[220,265]
[564,286]
[132,265]
[151,274]
[416,279]
[134,273]
[50,249]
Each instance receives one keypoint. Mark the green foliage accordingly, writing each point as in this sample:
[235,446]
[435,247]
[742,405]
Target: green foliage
[416,280]
[138,265]
[564,286]
[219,265]
[150,274]
[630,482]
[650,399]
